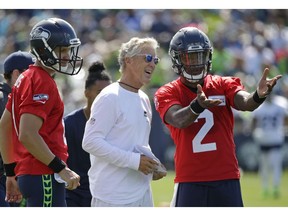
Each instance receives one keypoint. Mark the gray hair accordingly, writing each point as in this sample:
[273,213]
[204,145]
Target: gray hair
[134,47]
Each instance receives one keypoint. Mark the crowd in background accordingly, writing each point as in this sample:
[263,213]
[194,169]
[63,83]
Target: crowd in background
[244,42]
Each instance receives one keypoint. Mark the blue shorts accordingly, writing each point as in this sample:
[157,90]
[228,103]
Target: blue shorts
[42,191]
[78,198]
[224,193]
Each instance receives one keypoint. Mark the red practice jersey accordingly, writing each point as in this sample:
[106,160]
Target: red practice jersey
[36,92]
[205,151]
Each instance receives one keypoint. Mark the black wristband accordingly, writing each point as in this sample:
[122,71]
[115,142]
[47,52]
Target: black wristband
[57,165]
[257,99]
[9,169]
[196,108]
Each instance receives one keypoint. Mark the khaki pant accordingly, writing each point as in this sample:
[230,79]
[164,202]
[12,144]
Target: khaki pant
[145,201]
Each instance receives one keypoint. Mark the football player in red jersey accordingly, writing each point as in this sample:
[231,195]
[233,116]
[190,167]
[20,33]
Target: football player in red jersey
[197,109]
[33,120]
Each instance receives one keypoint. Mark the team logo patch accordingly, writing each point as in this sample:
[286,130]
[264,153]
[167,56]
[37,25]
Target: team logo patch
[42,98]
[218,97]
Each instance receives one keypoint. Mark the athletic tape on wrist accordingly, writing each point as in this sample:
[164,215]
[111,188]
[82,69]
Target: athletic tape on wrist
[196,108]
[257,99]
[57,165]
[9,169]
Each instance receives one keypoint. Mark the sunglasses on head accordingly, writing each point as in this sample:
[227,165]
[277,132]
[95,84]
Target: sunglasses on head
[149,58]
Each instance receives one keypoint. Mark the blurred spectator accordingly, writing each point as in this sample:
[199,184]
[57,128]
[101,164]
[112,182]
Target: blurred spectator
[270,121]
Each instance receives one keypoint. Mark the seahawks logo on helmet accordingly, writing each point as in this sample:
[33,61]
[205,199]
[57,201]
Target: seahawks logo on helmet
[39,33]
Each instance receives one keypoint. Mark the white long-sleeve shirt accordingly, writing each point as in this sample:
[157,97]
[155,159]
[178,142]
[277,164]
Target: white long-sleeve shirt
[120,121]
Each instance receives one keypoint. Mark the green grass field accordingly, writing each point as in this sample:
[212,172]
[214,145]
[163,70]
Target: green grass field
[250,185]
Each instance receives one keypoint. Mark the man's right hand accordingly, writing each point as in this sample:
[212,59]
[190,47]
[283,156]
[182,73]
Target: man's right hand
[72,178]
[147,165]
[204,101]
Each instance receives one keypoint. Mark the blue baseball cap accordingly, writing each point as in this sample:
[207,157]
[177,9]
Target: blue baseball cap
[18,60]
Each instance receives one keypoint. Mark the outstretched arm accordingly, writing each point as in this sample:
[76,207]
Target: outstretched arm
[250,101]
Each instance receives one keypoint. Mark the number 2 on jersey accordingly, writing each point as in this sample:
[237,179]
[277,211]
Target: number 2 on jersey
[196,142]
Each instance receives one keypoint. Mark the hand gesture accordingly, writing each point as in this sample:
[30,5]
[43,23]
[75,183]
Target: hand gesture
[204,101]
[13,193]
[265,85]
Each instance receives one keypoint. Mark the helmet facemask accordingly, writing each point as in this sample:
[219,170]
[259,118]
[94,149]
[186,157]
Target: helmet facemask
[191,54]
[50,40]
[52,58]
[192,65]
[70,67]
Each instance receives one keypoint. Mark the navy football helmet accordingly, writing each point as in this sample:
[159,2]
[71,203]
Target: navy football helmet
[191,54]
[52,33]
